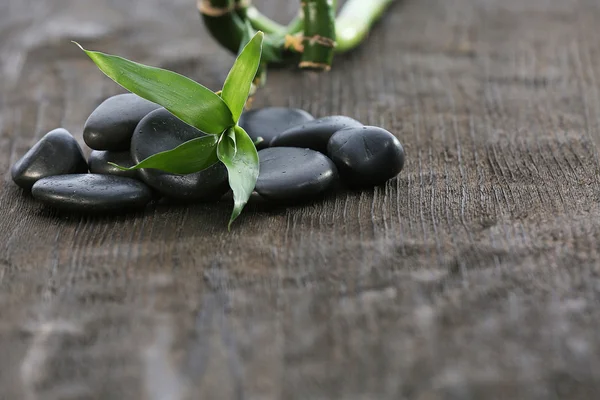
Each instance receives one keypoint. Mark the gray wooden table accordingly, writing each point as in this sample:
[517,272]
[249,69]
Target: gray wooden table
[474,275]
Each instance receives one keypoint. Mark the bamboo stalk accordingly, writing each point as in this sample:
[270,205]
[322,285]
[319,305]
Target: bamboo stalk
[259,21]
[222,22]
[296,25]
[319,34]
[262,23]
[355,20]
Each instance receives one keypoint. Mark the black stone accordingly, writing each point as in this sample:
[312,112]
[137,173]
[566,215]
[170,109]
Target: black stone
[162,131]
[99,163]
[290,173]
[271,121]
[111,125]
[56,153]
[92,193]
[314,134]
[367,156]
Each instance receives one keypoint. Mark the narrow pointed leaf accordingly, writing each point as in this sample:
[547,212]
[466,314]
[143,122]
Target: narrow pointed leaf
[186,99]
[241,159]
[238,82]
[271,46]
[187,158]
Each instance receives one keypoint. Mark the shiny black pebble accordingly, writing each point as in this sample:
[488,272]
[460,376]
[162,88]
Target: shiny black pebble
[290,173]
[111,124]
[99,163]
[56,153]
[314,134]
[271,121]
[92,193]
[162,131]
[367,156]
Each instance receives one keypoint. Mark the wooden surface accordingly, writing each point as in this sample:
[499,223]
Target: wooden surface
[475,275]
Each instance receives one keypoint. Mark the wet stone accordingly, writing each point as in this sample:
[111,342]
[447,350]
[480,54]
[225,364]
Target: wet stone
[56,153]
[161,131]
[271,121]
[99,163]
[92,193]
[290,173]
[367,156]
[314,134]
[111,125]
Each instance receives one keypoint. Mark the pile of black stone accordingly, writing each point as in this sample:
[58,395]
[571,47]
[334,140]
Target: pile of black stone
[300,158]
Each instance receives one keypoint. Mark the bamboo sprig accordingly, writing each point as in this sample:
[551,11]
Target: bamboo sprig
[215,114]
[310,39]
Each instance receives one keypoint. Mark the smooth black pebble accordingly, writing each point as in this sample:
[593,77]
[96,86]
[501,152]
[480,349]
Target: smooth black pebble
[367,156]
[56,153]
[92,193]
[99,163]
[314,134]
[290,173]
[161,131]
[111,125]
[271,121]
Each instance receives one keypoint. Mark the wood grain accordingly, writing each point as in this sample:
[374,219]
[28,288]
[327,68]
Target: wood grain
[474,275]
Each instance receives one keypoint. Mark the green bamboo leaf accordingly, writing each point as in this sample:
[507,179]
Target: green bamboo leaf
[192,156]
[241,159]
[271,46]
[186,99]
[238,82]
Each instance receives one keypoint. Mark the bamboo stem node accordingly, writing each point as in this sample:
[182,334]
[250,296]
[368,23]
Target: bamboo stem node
[315,65]
[241,4]
[322,40]
[206,8]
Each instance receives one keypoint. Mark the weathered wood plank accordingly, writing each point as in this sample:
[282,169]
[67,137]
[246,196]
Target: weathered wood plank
[473,275]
